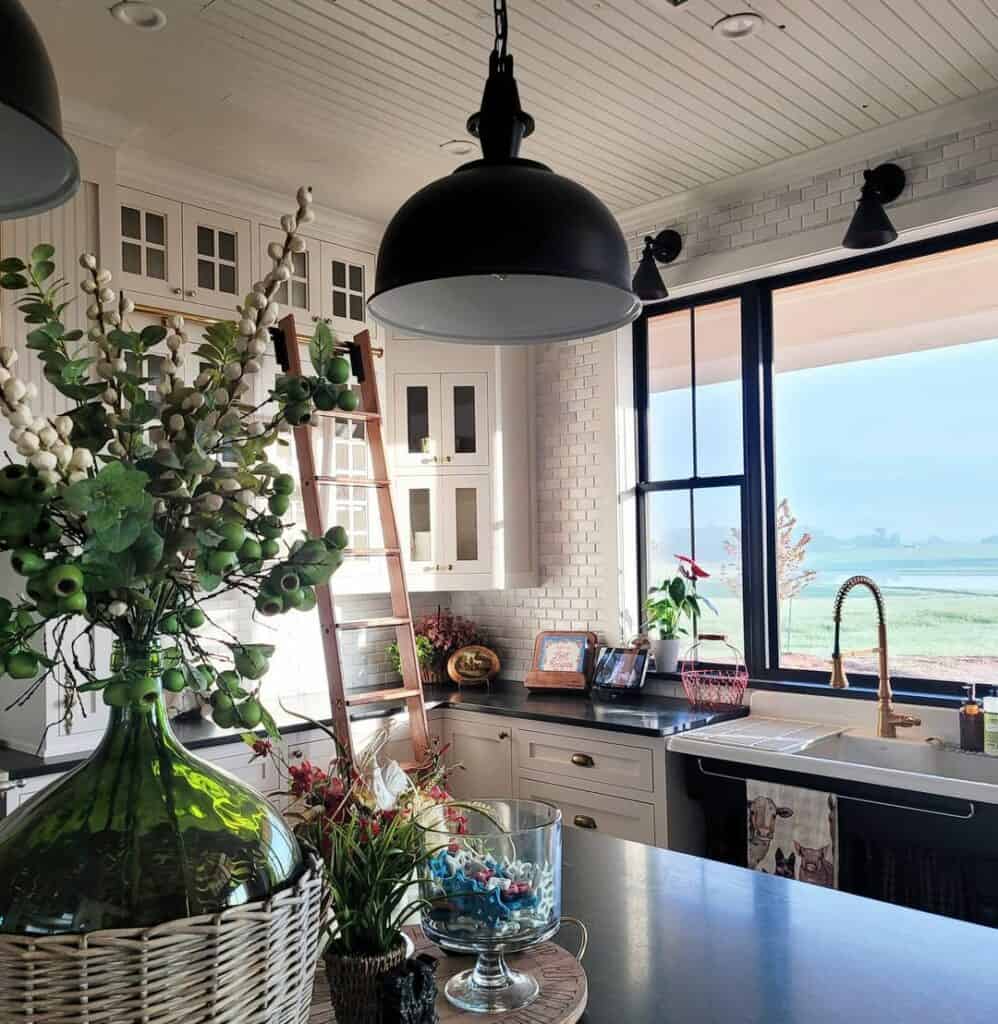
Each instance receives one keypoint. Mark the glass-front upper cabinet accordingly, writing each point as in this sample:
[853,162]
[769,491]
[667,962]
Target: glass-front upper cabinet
[346,279]
[442,420]
[465,419]
[151,244]
[216,258]
[418,514]
[464,519]
[417,417]
[301,294]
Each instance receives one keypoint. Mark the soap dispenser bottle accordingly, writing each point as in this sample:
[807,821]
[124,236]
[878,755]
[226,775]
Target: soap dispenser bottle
[971,722]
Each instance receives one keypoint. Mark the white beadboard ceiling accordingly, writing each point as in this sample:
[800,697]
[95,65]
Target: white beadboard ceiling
[638,99]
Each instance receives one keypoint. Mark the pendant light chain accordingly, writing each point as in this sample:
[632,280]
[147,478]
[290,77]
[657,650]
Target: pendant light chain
[501,33]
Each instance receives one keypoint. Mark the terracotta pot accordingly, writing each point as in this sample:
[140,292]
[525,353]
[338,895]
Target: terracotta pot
[428,674]
[355,983]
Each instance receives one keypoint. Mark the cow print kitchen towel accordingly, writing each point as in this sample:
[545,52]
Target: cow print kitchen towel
[793,832]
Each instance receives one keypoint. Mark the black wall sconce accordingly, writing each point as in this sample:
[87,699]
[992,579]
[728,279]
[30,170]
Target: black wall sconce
[662,248]
[870,226]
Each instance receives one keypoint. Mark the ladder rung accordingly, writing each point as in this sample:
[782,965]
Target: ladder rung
[373,623]
[371,552]
[381,696]
[351,481]
[355,417]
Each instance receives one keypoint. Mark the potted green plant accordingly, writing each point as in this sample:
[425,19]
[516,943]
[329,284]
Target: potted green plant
[131,512]
[445,633]
[668,605]
[424,655]
[362,818]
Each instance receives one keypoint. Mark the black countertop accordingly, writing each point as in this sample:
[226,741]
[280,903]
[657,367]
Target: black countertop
[675,939]
[647,715]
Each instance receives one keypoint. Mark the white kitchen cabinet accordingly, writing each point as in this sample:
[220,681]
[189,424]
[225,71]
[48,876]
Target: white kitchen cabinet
[182,253]
[151,245]
[445,524]
[461,457]
[483,746]
[216,258]
[346,277]
[441,420]
[611,815]
[302,294]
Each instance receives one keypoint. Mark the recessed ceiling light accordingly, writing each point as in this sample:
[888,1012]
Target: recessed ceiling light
[738,26]
[458,147]
[140,15]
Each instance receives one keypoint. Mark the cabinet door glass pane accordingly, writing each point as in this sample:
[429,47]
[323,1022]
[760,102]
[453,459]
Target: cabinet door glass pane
[466,523]
[206,242]
[420,525]
[156,228]
[227,246]
[339,274]
[206,274]
[131,224]
[465,441]
[299,295]
[339,304]
[131,258]
[356,307]
[226,279]
[417,418]
[156,264]
[356,278]
[299,264]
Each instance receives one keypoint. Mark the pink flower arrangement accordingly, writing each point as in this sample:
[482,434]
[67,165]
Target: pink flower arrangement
[447,633]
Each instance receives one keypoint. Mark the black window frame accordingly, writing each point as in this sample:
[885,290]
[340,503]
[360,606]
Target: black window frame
[758,502]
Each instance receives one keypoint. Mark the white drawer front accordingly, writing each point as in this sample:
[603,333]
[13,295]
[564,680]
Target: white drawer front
[586,760]
[613,816]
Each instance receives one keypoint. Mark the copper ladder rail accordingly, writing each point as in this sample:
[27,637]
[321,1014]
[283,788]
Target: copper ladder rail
[411,692]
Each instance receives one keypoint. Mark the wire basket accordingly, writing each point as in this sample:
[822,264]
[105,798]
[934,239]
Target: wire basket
[715,687]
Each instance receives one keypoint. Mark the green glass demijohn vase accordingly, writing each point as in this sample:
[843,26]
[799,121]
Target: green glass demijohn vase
[141,833]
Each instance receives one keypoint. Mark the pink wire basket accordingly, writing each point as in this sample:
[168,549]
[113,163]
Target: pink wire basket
[713,687]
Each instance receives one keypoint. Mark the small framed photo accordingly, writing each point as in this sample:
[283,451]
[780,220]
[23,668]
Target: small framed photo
[562,660]
[621,668]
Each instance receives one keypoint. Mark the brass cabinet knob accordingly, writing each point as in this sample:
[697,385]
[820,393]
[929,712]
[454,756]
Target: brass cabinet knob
[583,761]
[177,291]
[503,735]
[190,293]
[584,821]
[447,458]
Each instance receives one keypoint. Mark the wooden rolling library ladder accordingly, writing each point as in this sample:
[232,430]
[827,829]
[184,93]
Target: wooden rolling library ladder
[400,620]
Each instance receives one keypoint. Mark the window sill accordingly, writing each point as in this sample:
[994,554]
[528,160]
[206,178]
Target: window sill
[822,689]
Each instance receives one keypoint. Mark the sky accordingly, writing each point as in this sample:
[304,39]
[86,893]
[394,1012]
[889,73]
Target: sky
[906,443]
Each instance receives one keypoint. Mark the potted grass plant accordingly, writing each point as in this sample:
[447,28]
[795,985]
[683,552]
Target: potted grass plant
[362,818]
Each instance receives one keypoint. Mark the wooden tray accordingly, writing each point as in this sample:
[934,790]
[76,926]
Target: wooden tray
[564,991]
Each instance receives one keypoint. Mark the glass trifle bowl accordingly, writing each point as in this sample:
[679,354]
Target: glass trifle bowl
[491,882]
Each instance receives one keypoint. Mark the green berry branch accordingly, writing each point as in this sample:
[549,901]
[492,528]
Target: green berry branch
[148,497]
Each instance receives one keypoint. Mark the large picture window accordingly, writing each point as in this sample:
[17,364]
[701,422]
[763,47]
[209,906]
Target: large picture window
[797,431]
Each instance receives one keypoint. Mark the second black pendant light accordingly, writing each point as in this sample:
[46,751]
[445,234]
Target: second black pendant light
[503,250]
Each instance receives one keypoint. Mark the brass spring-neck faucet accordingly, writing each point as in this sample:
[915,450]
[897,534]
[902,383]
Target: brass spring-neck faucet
[888,719]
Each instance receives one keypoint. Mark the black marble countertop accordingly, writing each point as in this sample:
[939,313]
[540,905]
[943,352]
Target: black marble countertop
[675,939]
[647,715]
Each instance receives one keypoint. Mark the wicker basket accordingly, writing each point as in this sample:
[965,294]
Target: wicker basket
[253,964]
[355,984]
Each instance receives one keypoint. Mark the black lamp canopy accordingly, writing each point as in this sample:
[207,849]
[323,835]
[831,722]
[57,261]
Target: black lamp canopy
[661,248]
[503,250]
[38,169]
[870,226]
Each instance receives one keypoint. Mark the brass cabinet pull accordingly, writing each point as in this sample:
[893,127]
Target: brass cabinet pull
[584,821]
[583,761]
[504,735]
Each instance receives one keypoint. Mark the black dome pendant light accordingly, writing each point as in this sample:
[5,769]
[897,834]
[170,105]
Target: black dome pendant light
[38,169]
[503,250]
[870,226]
[662,248]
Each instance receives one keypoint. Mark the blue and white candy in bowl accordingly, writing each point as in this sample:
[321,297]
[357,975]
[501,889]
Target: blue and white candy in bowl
[491,886]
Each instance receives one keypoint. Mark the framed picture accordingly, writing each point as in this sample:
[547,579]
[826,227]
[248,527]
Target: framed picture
[621,668]
[562,660]
[473,665]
